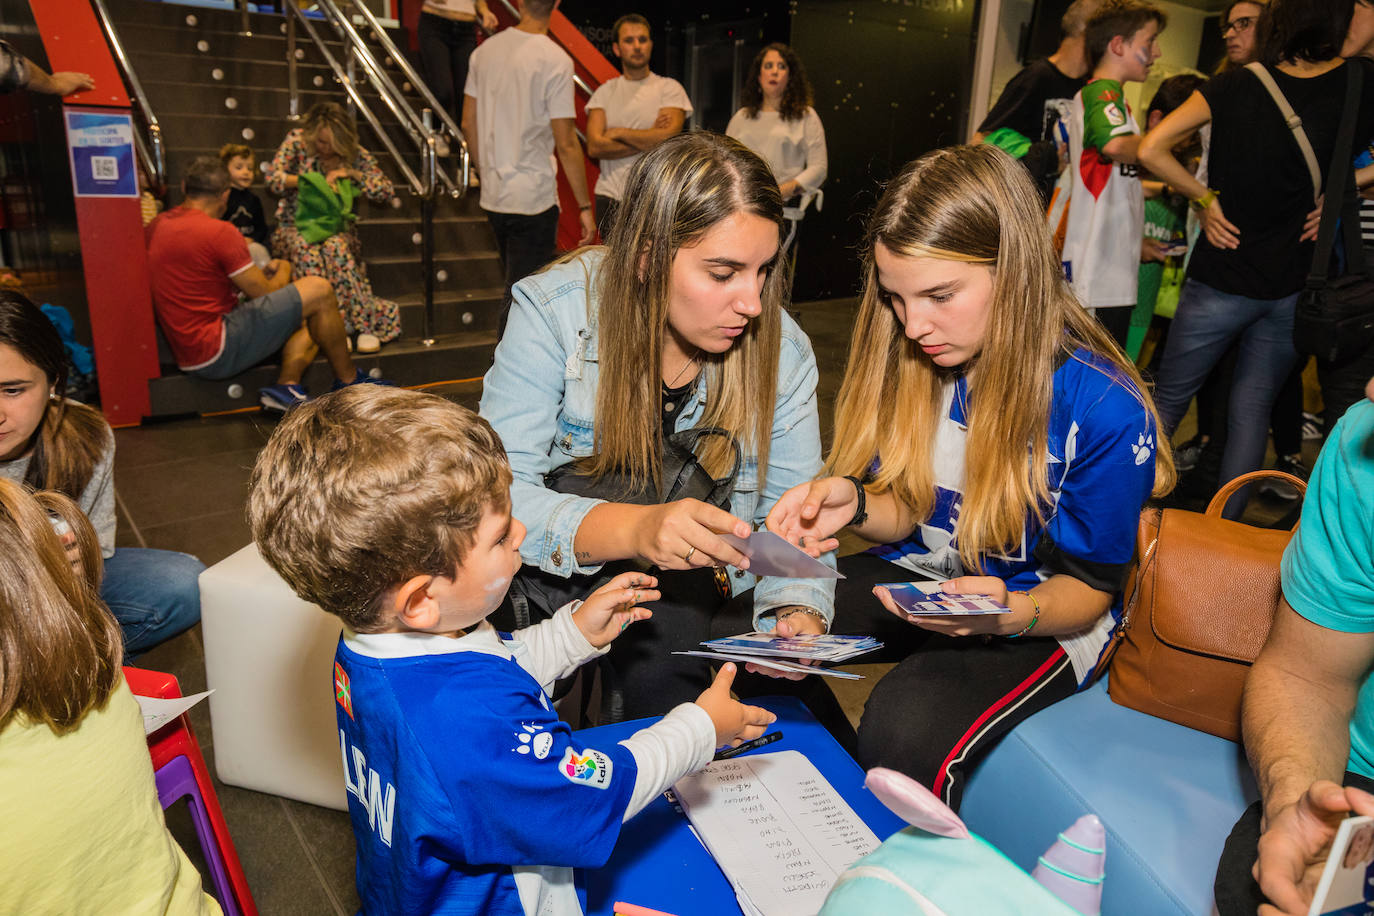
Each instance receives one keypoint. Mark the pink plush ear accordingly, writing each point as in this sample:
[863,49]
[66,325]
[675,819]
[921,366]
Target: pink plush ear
[915,804]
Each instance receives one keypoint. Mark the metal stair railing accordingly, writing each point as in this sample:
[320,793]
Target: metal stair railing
[151,152]
[420,127]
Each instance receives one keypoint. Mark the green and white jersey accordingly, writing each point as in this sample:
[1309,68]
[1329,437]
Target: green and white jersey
[1107,206]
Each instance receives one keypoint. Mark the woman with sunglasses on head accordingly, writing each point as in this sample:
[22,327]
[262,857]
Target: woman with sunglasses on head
[991,437]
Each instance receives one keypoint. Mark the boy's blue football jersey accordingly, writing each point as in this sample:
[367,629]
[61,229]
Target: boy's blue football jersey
[458,769]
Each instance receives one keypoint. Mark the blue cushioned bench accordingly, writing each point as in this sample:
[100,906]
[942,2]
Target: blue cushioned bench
[1168,796]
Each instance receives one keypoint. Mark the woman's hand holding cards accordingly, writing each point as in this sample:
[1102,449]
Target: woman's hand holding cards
[792,622]
[989,587]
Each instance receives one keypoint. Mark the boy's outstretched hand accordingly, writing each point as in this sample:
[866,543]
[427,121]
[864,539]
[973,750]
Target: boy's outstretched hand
[735,723]
[612,607]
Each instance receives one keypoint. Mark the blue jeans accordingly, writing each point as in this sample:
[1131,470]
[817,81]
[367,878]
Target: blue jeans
[1207,323]
[154,594]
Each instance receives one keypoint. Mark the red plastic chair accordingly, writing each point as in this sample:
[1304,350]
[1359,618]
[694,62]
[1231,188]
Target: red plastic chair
[175,739]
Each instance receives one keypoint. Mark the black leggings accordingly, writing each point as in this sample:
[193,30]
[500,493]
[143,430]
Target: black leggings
[949,700]
[445,46]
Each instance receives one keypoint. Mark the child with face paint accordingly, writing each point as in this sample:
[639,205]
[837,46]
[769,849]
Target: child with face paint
[1102,243]
[391,510]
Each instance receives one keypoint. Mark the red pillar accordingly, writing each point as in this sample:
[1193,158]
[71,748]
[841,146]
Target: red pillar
[113,255]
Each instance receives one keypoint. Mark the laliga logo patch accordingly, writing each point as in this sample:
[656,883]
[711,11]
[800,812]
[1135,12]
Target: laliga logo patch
[1114,115]
[591,768]
[533,740]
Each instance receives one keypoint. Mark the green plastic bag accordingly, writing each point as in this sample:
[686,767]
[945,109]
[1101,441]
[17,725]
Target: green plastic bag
[322,211]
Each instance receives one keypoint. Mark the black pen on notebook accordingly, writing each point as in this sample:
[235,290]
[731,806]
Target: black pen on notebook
[747,746]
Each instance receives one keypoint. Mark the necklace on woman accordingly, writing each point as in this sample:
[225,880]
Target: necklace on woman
[669,388]
[683,370]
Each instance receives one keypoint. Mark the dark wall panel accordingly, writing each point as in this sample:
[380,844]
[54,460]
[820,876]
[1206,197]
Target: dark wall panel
[40,237]
[892,82]
[676,26]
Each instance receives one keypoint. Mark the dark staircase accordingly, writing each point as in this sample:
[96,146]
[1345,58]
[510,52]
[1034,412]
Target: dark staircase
[208,85]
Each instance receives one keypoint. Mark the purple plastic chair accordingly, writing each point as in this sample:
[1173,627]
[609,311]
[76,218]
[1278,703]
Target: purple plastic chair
[176,780]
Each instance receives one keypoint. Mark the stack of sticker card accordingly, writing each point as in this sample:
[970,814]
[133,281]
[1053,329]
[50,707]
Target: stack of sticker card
[924,599]
[782,653]
[1347,883]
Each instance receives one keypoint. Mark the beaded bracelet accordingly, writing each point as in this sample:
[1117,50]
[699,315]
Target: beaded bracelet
[801,609]
[1034,620]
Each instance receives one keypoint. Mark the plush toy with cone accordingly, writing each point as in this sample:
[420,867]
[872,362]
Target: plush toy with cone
[936,867]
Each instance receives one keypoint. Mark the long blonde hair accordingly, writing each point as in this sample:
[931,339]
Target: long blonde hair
[340,124]
[675,194]
[973,204]
[60,647]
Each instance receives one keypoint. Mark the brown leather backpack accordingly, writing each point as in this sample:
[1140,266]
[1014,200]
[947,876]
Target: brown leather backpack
[1198,608]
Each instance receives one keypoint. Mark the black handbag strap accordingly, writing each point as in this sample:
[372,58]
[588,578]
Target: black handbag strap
[687,440]
[1339,206]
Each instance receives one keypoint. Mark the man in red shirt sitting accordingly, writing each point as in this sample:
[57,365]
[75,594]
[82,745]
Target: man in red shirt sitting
[199,264]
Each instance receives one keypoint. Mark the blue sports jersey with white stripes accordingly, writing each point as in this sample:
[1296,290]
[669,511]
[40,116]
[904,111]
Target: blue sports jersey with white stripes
[1102,470]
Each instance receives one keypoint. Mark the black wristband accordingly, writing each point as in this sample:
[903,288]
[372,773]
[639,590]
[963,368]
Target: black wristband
[861,512]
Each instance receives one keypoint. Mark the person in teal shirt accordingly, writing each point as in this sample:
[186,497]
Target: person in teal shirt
[1308,715]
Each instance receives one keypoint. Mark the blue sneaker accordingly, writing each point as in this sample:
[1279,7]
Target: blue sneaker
[281,398]
[362,378]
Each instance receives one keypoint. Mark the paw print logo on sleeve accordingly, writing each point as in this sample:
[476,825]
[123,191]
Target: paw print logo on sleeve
[533,740]
[1143,448]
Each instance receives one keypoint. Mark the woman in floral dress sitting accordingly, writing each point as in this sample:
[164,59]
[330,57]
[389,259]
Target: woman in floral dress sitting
[327,143]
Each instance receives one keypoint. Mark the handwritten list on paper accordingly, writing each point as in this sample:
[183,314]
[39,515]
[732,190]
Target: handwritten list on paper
[777,828]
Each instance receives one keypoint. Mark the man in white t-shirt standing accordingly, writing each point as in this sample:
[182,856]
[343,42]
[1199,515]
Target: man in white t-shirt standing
[630,115]
[517,112]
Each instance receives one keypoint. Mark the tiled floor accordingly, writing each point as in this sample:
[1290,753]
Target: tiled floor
[182,486]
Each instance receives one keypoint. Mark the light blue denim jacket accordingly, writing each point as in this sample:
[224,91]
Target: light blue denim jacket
[540,396]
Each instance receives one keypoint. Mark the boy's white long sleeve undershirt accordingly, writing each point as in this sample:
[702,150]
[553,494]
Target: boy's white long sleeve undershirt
[682,742]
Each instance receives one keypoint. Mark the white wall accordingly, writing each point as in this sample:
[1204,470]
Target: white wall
[1015,14]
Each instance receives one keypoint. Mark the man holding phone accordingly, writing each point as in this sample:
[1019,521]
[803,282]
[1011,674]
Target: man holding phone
[1308,712]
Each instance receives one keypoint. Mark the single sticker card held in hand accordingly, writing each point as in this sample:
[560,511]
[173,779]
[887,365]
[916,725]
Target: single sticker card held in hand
[770,555]
[924,599]
[1347,884]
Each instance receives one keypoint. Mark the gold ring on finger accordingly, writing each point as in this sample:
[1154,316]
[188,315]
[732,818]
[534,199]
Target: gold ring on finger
[687,557]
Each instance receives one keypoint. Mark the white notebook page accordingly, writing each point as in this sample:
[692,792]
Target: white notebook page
[776,827]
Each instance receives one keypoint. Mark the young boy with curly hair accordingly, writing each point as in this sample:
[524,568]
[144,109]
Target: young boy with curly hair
[391,510]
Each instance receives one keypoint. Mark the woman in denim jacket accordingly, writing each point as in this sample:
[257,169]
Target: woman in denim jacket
[677,322]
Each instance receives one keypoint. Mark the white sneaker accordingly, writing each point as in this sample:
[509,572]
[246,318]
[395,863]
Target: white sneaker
[368,343]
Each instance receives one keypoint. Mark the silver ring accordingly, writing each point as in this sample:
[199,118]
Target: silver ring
[687,557]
